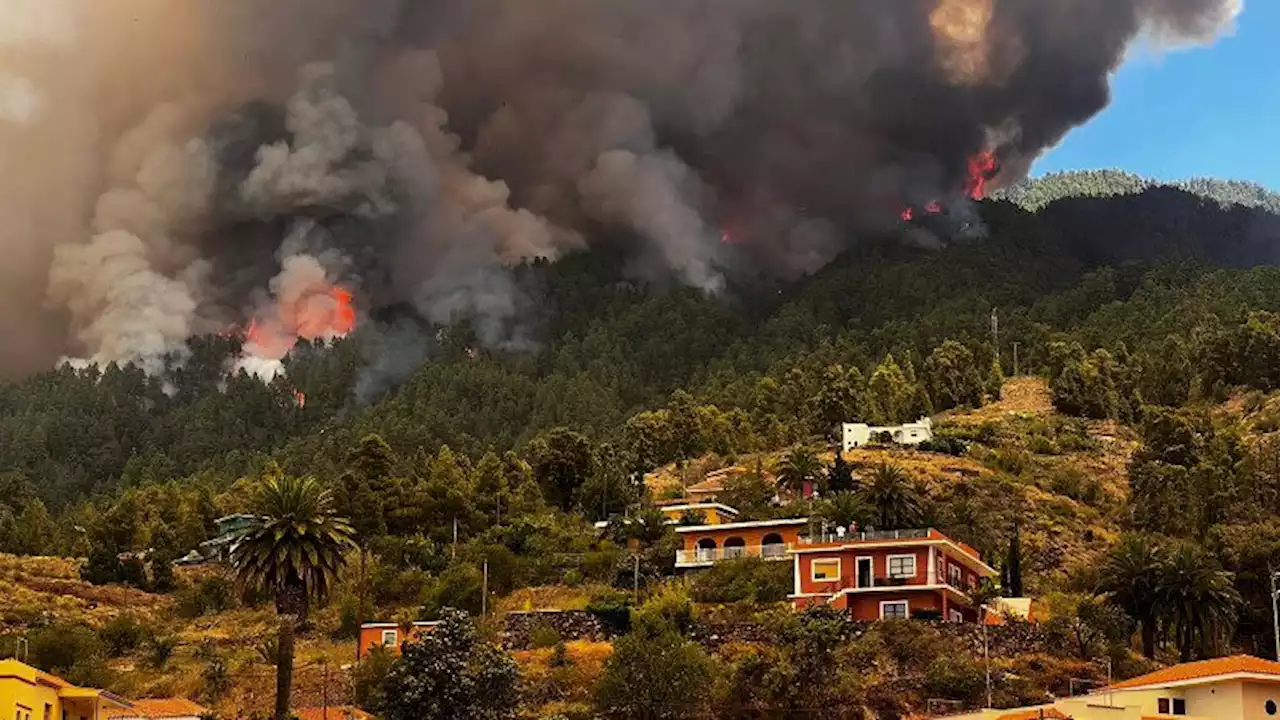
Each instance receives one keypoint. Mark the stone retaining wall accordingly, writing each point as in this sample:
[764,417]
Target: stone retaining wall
[1003,640]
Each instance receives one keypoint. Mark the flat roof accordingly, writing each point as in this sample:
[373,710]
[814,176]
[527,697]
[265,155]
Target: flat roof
[743,524]
[700,506]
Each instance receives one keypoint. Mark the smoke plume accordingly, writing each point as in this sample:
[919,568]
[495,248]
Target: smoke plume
[288,166]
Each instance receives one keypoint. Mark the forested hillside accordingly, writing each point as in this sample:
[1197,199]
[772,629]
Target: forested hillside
[1151,317]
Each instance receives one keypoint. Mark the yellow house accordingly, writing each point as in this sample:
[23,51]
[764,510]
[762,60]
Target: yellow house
[1240,687]
[29,694]
[711,513]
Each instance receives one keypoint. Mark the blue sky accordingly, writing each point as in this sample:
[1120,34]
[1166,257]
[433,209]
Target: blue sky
[1211,111]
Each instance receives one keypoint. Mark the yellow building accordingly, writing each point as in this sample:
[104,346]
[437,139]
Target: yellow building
[1240,687]
[710,513]
[29,694]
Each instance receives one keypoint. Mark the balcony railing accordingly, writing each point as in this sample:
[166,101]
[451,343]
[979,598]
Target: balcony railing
[819,538]
[704,556]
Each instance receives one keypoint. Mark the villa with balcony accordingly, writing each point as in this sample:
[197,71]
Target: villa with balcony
[894,574]
[705,545]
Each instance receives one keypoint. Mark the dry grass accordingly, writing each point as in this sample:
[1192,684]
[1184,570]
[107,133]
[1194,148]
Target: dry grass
[1026,396]
[550,597]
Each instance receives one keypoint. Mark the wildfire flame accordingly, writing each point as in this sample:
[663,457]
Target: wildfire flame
[322,314]
[983,167]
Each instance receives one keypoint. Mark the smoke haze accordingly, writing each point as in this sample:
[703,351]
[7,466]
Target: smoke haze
[175,168]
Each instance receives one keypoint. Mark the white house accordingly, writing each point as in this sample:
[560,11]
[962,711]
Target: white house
[854,435]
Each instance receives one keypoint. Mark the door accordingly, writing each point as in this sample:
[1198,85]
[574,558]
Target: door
[864,572]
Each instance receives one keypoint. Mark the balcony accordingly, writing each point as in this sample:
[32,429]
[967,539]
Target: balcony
[869,536]
[709,556]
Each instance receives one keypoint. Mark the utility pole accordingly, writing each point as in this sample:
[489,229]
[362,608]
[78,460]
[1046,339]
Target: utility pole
[635,580]
[1275,608]
[986,652]
[1015,359]
[484,592]
[454,554]
[324,689]
[995,332]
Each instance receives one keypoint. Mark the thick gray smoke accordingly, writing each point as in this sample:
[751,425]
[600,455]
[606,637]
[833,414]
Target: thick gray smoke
[158,154]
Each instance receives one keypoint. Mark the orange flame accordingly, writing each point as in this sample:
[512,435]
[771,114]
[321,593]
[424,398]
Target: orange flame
[321,315]
[982,168]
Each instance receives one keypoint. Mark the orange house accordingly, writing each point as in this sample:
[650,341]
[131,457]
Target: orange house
[389,635]
[889,574]
[704,545]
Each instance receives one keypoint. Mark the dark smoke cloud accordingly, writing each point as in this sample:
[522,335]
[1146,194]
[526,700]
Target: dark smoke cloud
[160,153]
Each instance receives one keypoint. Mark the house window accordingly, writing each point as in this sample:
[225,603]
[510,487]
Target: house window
[955,575]
[827,570]
[388,637]
[1179,706]
[1172,706]
[1270,707]
[902,566]
[894,610]
[957,616]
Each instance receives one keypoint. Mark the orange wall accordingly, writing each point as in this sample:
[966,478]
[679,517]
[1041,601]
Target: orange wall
[751,536]
[880,567]
[867,607]
[372,637]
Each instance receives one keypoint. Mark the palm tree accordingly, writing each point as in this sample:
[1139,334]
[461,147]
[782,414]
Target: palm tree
[800,466]
[1131,577]
[295,551]
[895,502]
[1198,599]
[844,509]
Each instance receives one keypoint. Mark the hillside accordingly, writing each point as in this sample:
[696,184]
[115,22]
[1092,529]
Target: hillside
[1147,334]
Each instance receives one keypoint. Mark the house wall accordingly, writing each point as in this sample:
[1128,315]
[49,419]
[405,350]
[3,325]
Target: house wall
[25,701]
[750,536]
[1254,697]
[1217,700]
[866,606]
[371,638]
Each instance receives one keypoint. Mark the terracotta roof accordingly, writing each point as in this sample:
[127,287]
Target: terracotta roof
[341,712]
[1205,670]
[1035,714]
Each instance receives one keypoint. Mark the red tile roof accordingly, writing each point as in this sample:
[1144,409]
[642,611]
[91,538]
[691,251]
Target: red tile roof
[159,708]
[341,712]
[1205,670]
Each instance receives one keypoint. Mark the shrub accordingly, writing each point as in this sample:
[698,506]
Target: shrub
[743,580]
[955,677]
[543,636]
[369,679]
[613,608]
[670,608]
[944,445]
[122,635]
[1041,445]
[1014,462]
[461,586]
[159,649]
[1076,485]
[656,676]
[209,596]
[451,673]
[348,619]
[57,648]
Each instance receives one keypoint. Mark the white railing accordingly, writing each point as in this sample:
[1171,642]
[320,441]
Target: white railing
[704,556]
[819,538]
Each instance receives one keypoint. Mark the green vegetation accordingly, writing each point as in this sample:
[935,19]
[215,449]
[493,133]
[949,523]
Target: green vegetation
[1138,497]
